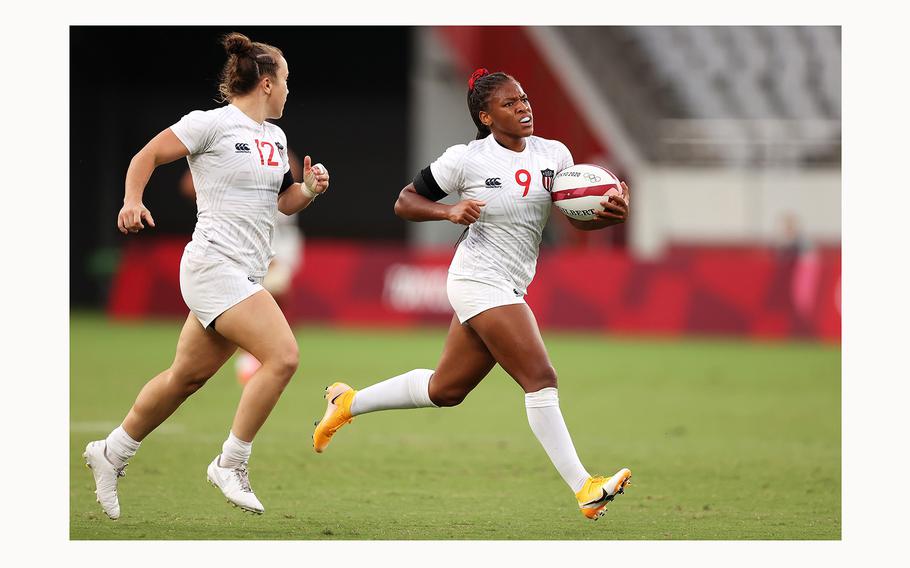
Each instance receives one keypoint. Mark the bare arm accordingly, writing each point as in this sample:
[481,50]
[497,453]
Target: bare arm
[293,199]
[299,195]
[162,149]
[411,206]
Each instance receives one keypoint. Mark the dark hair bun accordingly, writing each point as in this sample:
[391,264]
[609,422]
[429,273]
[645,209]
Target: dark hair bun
[237,44]
[247,62]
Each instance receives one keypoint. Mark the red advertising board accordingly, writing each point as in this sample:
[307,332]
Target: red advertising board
[753,292]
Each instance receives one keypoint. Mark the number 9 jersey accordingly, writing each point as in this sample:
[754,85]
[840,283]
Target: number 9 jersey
[501,247]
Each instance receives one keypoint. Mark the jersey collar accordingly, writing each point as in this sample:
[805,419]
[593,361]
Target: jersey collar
[505,151]
[245,118]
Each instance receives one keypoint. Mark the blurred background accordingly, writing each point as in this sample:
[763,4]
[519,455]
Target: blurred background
[700,340]
[728,136]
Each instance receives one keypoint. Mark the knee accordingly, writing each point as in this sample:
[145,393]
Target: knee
[188,381]
[545,377]
[286,363]
[448,397]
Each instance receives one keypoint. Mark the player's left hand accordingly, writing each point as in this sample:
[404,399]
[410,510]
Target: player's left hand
[315,178]
[616,209]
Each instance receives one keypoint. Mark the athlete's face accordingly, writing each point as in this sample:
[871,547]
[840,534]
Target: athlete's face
[509,111]
[277,90]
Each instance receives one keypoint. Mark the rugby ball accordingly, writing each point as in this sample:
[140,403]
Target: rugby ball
[579,189]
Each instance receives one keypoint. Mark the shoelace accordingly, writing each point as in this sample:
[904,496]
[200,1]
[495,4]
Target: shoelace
[120,472]
[243,477]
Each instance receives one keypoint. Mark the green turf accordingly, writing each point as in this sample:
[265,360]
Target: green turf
[726,440]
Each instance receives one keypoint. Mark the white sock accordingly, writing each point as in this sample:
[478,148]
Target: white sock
[549,427]
[410,390]
[120,447]
[234,451]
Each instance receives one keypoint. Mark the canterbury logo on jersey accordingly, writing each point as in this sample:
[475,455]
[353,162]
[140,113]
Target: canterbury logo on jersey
[493,182]
[242,148]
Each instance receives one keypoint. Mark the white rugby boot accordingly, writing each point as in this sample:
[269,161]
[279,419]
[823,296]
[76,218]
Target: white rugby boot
[234,482]
[106,475]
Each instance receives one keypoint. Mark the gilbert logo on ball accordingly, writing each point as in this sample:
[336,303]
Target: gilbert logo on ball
[579,189]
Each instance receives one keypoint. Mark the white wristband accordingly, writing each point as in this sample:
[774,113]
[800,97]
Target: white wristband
[308,192]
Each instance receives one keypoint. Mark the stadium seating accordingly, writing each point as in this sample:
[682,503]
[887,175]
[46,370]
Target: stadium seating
[731,95]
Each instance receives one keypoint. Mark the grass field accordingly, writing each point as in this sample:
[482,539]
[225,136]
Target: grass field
[725,439]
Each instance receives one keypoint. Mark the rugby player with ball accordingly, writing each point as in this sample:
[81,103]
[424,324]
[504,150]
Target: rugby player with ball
[504,179]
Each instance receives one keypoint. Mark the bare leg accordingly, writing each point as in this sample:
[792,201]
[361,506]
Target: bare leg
[200,353]
[258,326]
[465,361]
[468,356]
[512,336]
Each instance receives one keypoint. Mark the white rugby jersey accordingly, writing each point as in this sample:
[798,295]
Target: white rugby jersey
[502,245]
[238,166]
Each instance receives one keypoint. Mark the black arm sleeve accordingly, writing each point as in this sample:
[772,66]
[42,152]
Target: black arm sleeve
[426,185]
[287,182]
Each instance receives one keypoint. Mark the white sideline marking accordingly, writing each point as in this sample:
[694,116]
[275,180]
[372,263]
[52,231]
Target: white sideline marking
[106,427]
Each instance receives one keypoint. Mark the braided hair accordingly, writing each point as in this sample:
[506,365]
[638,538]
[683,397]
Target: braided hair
[481,87]
[247,62]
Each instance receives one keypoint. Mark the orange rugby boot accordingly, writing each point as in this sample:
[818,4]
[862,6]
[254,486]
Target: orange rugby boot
[337,413]
[599,491]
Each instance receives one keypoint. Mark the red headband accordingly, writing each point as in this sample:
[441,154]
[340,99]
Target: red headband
[477,74]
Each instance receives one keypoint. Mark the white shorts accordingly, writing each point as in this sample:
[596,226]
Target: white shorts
[470,297]
[210,286]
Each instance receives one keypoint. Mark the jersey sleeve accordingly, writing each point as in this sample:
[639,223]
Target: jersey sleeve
[565,159]
[281,143]
[283,149]
[196,130]
[443,176]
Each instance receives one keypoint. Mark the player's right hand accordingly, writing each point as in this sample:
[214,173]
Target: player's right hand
[130,218]
[466,212]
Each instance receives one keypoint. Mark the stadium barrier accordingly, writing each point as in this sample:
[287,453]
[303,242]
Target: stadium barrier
[750,292]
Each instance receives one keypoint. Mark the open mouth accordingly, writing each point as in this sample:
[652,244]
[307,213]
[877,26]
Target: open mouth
[526,120]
